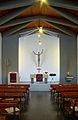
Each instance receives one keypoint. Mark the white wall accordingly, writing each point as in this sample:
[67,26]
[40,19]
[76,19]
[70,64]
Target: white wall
[0,58]
[50,59]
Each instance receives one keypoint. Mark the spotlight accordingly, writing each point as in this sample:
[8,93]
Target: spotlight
[40,30]
[39,43]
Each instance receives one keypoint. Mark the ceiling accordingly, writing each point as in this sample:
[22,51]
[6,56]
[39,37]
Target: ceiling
[59,16]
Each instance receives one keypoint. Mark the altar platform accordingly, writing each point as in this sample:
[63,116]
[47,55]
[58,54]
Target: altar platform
[40,86]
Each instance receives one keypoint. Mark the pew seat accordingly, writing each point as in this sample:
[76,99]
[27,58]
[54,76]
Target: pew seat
[10,107]
[2,117]
[72,107]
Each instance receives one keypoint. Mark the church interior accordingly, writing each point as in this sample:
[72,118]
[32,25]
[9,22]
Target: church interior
[38,59]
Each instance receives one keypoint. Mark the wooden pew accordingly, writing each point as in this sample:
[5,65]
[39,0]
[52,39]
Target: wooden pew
[53,88]
[14,91]
[8,104]
[65,94]
[2,118]
[71,106]
[66,98]
[15,88]
[64,88]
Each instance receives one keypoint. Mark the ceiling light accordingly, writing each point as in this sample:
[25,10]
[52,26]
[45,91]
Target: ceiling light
[40,30]
[39,35]
[39,43]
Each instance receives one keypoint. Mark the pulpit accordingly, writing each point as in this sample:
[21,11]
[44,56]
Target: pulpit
[12,77]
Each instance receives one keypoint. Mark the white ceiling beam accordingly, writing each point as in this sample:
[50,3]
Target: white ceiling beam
[15,4]
[67,15]
[19,21]
[12,15]
[55,30]
[33,18]
[61,28]
[15,29]
[59,21]
[64,4]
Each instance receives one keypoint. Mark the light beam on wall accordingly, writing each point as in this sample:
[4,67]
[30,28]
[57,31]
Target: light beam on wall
[43,1]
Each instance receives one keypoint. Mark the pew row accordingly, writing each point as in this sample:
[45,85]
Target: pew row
[13,96]
[64,95]
[2,117]
[56,89]
[70,103]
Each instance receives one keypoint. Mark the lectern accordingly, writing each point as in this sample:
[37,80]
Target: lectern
[12,77]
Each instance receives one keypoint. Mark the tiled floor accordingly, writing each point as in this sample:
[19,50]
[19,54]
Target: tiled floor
[41,107]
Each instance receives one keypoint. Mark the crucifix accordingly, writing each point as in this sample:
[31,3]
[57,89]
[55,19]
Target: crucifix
[38,55]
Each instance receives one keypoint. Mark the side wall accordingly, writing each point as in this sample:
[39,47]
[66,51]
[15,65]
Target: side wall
[68,57]
[10,55]
[0,58]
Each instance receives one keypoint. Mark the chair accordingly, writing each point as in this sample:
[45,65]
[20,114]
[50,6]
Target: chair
[52,75]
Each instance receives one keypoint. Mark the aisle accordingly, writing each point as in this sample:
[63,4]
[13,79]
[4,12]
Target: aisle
[41,107]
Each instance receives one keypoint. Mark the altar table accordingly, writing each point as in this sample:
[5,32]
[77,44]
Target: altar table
[39,77]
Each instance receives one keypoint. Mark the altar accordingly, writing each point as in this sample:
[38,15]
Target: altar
[39,77]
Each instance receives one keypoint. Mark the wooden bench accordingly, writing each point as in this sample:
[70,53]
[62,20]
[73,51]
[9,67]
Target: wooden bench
[72,108]
[58,89]
[14,91]
[4,104]
[2,117]
[67,100]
